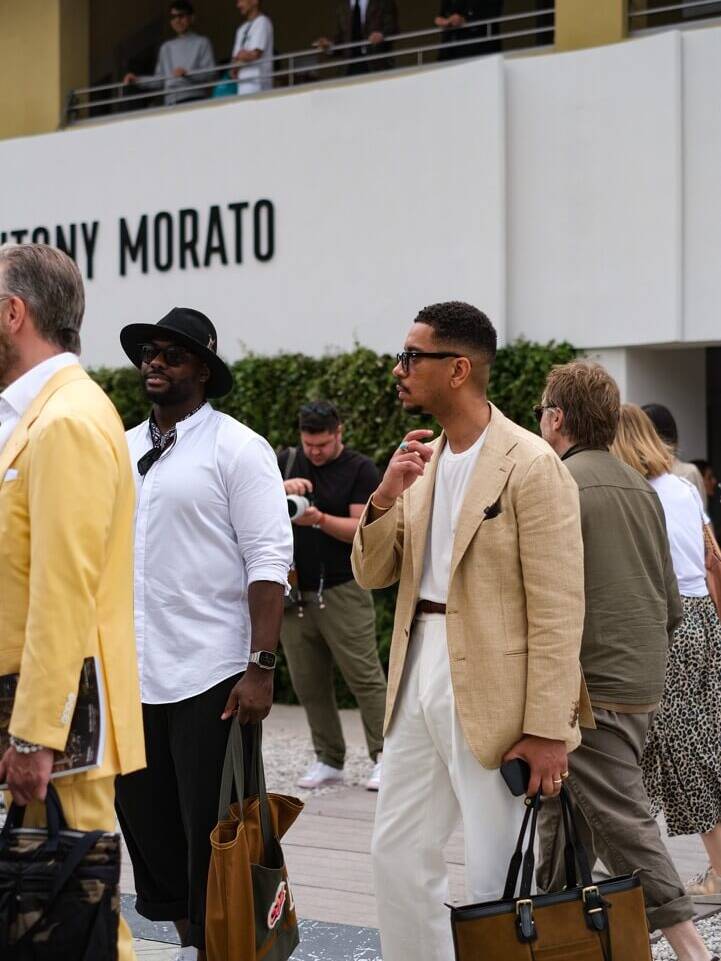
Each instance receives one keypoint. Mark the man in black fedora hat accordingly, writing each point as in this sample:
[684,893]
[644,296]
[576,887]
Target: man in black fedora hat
[213,546]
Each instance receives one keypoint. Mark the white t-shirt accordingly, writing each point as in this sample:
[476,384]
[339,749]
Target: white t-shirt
[256,34]
[685,518]
[452,476]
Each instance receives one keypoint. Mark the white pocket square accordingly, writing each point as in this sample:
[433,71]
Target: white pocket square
[11,474]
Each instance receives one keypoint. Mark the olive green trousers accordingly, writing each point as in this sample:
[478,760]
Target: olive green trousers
[342,632]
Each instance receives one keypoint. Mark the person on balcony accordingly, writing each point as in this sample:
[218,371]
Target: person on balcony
[453,18]
[253,49]
[372,21]
[178,59]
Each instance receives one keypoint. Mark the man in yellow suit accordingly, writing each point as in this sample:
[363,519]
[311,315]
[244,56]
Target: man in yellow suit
[66,527]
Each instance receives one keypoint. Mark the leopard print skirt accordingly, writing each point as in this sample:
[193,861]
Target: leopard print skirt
[682,756]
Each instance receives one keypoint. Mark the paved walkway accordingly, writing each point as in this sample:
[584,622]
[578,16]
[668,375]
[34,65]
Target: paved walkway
[327,852]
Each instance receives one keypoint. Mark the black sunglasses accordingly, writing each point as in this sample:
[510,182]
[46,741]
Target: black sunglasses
[174,355]
[539,409]
[406,356]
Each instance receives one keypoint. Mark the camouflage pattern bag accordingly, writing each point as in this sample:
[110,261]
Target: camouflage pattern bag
[250,914]
[59,890]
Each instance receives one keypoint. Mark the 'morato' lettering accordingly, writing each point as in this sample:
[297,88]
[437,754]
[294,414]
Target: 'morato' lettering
[186,239]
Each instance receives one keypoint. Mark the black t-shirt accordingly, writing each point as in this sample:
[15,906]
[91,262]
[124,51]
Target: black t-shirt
[349,479]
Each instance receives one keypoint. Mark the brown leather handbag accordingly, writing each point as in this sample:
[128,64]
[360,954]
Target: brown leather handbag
[587,921]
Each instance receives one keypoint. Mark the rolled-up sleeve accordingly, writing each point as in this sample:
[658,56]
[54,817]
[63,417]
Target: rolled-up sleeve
[259,513]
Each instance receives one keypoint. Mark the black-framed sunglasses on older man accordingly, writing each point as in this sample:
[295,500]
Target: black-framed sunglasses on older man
[539,409]
[406,356]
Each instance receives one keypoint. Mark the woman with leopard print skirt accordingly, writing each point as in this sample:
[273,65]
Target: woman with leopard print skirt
[682,756]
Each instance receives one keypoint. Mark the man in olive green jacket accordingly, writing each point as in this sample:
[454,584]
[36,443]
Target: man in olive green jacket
[632,608]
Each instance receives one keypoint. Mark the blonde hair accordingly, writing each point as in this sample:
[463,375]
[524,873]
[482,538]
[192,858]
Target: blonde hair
[638,445]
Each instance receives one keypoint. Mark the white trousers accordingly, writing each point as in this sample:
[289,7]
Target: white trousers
[431,779]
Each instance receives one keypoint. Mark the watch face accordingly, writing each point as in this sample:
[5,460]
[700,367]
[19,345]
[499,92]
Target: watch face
[266,659]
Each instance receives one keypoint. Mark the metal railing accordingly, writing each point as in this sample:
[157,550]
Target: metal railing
[649,15]
[314,65]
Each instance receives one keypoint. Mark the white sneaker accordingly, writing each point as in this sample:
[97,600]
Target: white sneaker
[374,781]
[320,774]
[187,954]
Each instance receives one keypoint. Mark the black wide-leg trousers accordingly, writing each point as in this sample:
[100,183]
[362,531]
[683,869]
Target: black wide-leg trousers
[168,810]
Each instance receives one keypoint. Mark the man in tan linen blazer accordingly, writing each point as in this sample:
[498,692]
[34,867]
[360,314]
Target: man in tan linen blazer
[511,626]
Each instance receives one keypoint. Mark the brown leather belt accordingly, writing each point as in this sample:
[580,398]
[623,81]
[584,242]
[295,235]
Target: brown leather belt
[430,607]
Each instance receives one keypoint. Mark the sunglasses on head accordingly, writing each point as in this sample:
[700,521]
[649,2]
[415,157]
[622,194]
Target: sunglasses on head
[173,354]
[406,356]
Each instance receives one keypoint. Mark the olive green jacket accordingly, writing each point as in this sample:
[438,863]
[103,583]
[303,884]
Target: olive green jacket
[632,599]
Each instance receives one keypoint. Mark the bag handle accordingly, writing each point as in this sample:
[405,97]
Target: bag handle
[234,774]
[574,851]
[54,816]
[594,907]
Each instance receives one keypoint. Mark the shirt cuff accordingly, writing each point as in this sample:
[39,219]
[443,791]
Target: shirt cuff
[277,573]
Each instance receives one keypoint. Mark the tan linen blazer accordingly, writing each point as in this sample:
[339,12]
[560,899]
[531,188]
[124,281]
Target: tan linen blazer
[515,609]
[67,500]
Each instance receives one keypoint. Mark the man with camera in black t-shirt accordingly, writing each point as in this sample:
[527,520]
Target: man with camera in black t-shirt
[331,618]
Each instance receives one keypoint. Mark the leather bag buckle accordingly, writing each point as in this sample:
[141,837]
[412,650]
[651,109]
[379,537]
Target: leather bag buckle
[525,924]
[594,908]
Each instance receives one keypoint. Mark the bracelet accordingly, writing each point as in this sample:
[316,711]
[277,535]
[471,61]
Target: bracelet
[383,510]
[24,747]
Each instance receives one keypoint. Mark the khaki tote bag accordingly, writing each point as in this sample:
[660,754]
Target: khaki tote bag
[250,914]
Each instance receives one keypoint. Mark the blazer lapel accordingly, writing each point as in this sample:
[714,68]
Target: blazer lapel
[19,437]
[421,505]
[489,477]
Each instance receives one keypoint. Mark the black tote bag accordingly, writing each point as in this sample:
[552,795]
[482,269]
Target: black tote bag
[59,890]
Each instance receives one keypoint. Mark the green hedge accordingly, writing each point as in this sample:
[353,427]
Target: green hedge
[269,390]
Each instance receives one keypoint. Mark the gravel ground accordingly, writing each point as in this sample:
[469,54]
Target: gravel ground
[710,929]
[287,756]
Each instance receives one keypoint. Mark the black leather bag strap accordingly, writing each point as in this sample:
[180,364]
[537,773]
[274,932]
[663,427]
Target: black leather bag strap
[571,831]
[517,858]
[569,856]
[529,858]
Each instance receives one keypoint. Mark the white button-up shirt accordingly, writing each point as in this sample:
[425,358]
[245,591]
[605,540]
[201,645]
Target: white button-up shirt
[211,519]
[16,398]
[363,8]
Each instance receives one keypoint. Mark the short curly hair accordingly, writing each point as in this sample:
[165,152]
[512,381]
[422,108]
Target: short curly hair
[455,322]
[590,401]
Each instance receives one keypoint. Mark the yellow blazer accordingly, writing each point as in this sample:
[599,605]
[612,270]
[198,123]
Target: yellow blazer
[66,563]
[515,609]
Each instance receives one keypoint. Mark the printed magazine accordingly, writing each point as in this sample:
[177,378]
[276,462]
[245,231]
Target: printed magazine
[84,748]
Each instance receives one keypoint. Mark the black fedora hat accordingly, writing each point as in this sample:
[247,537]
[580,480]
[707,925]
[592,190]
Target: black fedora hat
[190,329]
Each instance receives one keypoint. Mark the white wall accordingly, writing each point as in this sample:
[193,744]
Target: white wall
[675,377]
[388,196]
[594,213]
[702,184]
[570,195]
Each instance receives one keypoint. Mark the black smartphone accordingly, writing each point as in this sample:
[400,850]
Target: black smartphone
[516,774]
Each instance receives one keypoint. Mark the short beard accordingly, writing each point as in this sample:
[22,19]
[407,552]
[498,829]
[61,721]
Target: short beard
[9,356]
[174,395]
